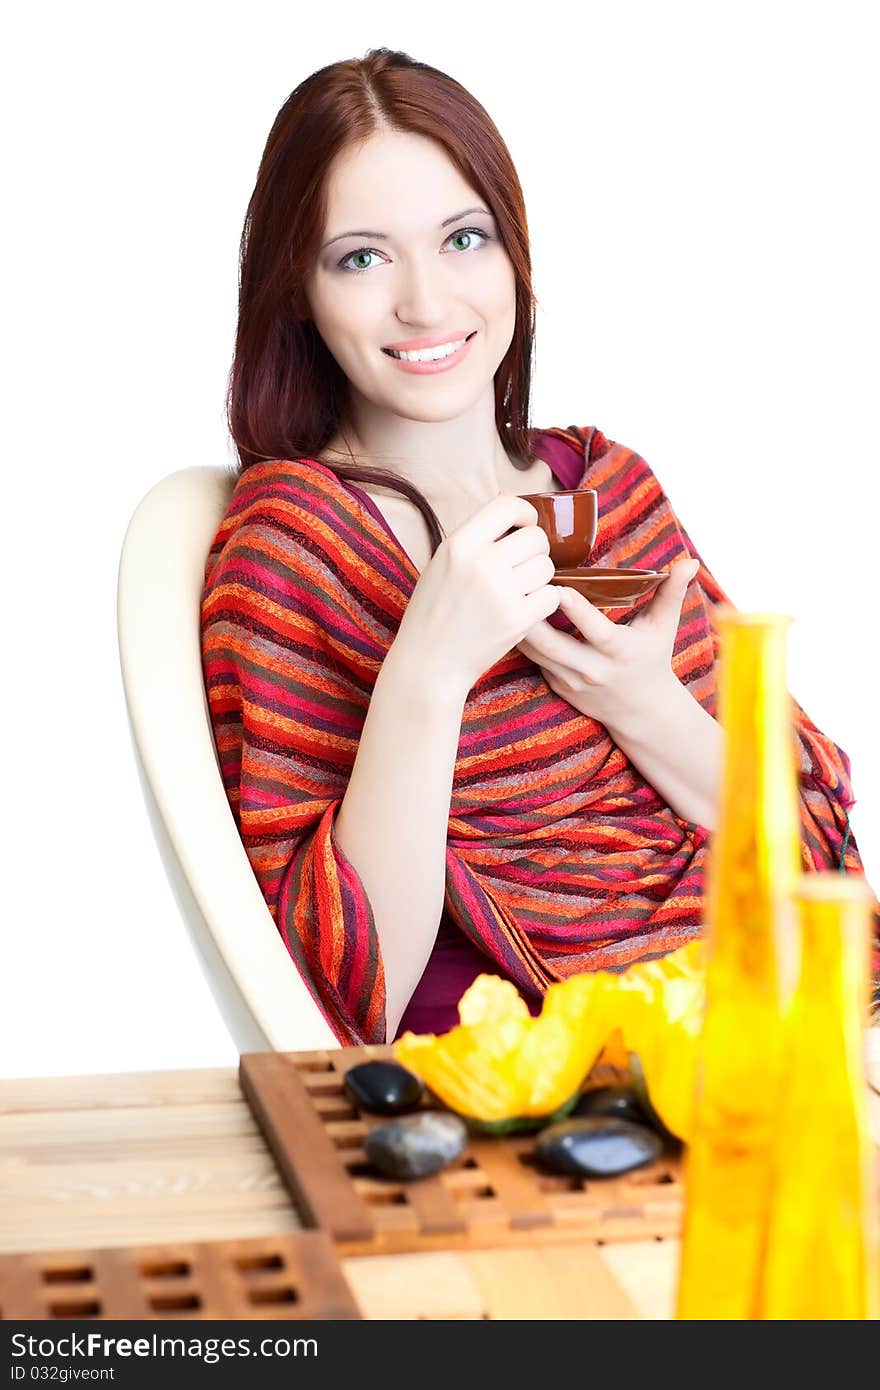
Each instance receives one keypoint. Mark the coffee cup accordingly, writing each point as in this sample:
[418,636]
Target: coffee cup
[570,520]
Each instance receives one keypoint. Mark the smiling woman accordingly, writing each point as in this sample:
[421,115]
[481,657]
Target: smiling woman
[454,290]
[439,765]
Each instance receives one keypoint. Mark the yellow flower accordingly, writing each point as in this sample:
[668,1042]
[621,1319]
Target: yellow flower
[503,1070]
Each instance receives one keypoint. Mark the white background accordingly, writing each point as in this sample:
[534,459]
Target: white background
[701,187]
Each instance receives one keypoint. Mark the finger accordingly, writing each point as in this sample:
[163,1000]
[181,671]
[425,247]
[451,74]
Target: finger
[524,543]
[544,663]
[665,609]
[562,676]
[540,644]
[565,656]
[599,631]
[525,646]
[493,520]
[563,681]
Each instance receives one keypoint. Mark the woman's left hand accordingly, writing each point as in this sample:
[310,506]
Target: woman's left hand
[622,669]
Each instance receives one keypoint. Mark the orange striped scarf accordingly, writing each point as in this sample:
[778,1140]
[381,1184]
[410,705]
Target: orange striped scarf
[560,857]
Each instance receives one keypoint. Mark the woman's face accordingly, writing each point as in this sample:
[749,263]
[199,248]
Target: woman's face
[424,262]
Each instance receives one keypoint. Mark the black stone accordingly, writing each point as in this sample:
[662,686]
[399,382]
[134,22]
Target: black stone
[597,1147]
[416,1146]
[614,1102]
[384,1087]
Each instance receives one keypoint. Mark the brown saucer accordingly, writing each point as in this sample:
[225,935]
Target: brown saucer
[610,588]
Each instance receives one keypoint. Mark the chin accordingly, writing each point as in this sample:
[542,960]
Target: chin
[438,416]
[445,406]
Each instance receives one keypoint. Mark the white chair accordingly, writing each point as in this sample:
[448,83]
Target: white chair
[258,989]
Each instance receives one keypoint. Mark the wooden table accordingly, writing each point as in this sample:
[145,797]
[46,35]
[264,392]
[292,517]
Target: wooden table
[163,1157]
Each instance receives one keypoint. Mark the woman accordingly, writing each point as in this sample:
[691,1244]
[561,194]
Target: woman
[415,727]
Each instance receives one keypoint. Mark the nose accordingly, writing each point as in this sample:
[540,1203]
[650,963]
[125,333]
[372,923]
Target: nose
[423,295]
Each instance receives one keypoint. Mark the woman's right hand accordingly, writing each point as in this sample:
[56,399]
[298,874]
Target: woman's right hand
[480,593]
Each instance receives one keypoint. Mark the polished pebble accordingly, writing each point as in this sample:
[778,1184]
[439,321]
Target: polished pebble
[614,1102]
[386,1088]
[597,1147]
[417,1145]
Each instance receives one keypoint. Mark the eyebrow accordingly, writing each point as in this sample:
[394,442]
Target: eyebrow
[383,236]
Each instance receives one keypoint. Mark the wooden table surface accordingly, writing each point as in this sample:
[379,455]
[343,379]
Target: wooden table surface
[151,1157]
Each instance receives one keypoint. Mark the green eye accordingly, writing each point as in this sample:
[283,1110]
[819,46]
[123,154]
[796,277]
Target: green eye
[457,235]
[357,253]
[364,251]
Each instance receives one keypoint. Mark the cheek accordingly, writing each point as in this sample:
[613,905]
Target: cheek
[498,299]
[343,321]
[333,310]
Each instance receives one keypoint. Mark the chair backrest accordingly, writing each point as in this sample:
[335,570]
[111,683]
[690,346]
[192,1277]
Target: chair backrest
[261,995]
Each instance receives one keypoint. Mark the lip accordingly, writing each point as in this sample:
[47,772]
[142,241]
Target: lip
[414,344]
[443,364]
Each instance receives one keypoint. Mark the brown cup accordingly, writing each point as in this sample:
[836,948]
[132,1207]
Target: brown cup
[570,520]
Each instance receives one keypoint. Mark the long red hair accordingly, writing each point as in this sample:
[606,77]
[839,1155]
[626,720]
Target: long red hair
[287,394]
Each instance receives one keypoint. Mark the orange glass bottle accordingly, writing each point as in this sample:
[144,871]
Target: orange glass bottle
[751,938]
[823,1255]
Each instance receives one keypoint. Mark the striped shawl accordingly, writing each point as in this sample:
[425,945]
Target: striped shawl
[560,857]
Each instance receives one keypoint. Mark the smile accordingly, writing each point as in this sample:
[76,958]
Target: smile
[435,359]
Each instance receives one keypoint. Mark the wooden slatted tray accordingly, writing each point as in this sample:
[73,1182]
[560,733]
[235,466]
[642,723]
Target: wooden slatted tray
[495,1194]
[291,1277]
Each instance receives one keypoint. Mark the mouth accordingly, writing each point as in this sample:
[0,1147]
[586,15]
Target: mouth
[430,354]
[430,360]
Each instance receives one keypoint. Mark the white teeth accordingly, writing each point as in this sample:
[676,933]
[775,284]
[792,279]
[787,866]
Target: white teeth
[428,354]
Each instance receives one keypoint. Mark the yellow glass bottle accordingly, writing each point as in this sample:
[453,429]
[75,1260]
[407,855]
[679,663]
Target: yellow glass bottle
[823,1255]
[751,938]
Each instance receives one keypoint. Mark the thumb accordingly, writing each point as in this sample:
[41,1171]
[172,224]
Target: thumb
[670,595]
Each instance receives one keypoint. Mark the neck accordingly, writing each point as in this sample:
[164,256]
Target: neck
[459,459]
